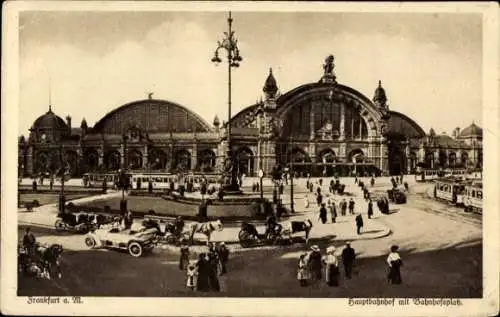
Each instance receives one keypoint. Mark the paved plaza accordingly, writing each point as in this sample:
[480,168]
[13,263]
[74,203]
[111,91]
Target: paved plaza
[436,240]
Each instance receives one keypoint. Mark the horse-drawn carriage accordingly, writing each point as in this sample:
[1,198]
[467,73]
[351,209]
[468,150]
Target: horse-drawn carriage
[176,232]
[173,232]
[280,234]
[83,222]
[41,261]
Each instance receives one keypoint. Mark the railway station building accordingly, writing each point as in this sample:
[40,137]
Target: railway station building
[319,128]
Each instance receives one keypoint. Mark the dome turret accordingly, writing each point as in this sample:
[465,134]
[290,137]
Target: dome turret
[380,98]
[216,121]
[471,131]
[49,121]
[270,86]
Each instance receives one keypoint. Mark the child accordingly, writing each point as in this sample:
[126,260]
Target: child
[192,274]
[302,270]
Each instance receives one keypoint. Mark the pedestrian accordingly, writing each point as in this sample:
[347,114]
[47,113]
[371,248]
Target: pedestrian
[51,184]
[406,186]
[333,212]
[343,207]
[34,185]
[257,187]
[29,242]
[359,223]
[386,205]
[203,211]
[302,275]
[213,271]
[314,263]
[306,201]
[319,199]
[320,182]
[253,187]
[356,180]
[331,267]
[322,214]
[223,253]
[192,274]
[395,262]
[370,209]
[275,196]
[348,257]
[202,282]
[184,257]
[128,220]
[351,206]
[372,181]
[311,187]
[281,188]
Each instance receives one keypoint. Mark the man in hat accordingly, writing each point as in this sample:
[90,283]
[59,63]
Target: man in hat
[315,263]
[223,253]
[359,223]
[348,257]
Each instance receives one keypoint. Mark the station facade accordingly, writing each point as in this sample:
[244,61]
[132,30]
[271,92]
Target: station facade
[320,128]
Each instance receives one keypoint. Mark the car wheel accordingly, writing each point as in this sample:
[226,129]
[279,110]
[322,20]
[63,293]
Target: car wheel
[135,249]
[59,225]
[90,242]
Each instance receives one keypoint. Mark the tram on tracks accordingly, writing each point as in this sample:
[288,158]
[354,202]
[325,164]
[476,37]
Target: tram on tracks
[163,180]
[97,179]
[462,192]
[423,175]
[473,197]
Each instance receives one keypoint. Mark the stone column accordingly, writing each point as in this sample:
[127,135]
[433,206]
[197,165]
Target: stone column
[268,156]
[312,117]
[145,157]
[194,156]
[29,161]
[361,128]
[122,155]
[342,121]
[258,166]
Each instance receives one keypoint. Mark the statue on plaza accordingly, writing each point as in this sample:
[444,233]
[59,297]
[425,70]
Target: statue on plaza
[329,65]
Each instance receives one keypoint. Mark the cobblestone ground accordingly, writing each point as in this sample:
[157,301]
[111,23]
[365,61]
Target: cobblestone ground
[440,245]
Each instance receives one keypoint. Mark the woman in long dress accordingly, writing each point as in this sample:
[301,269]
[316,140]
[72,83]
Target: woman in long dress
[331,267]
[302,275]
[395,262]
[202,282]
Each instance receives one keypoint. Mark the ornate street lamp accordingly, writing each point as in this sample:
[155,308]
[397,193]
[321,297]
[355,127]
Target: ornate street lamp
[123,180]
[229,44]
[62,198]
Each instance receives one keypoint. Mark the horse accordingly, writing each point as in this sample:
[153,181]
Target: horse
[292,227]
[206,228]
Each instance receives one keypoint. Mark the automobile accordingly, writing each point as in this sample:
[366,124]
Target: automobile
[137,240]
[396,196]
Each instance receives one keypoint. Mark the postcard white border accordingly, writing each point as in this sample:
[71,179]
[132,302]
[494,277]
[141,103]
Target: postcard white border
[11,304]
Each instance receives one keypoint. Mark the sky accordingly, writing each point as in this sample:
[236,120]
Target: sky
[93,62]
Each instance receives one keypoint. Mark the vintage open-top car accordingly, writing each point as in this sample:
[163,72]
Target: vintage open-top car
[137,241]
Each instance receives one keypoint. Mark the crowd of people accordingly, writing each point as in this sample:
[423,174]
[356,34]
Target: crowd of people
[313,266]
[203,273]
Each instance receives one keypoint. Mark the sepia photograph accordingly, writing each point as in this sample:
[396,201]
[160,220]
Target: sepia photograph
[250,152]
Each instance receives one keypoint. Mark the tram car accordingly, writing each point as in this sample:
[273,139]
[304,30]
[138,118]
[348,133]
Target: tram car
[97,179]
[424,175]
[473,197]
[163,180]
[450,189]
